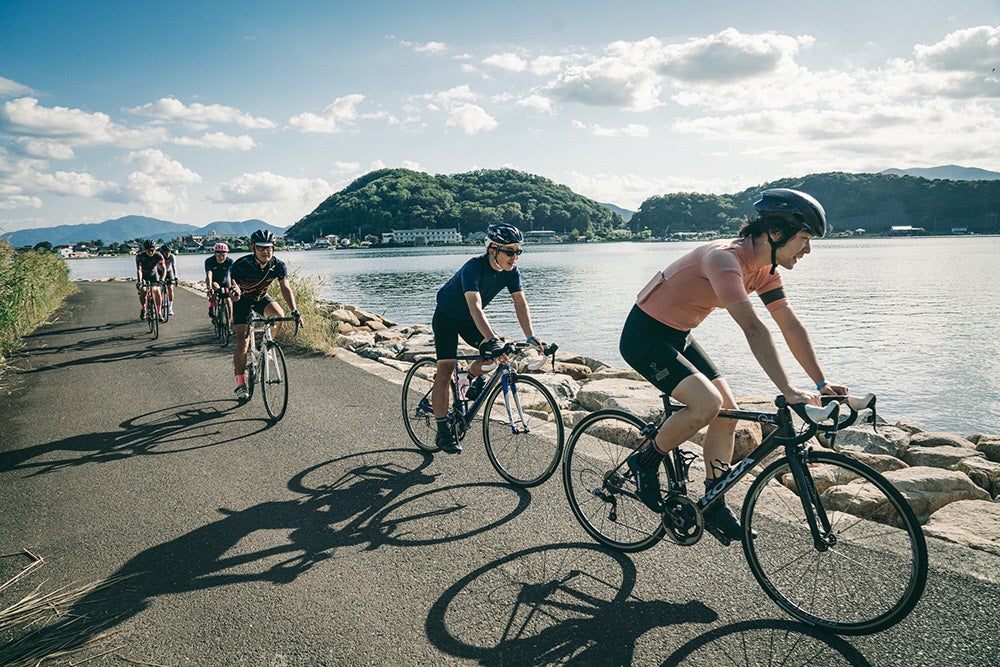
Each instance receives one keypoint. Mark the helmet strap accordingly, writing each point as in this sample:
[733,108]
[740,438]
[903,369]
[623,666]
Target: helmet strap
[774,250]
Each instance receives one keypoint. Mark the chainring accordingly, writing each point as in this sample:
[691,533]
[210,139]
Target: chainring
[682,520]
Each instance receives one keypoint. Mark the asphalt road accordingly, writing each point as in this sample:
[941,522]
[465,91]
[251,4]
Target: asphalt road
[328,539]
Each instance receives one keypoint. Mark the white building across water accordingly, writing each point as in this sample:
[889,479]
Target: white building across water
[426,236]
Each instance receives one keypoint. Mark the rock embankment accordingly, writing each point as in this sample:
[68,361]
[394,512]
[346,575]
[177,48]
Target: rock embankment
[952,482]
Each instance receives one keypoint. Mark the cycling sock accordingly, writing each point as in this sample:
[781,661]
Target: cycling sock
[442,423]
[240,381]
[650,457]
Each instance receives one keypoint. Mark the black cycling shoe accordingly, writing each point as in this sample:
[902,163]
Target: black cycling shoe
[721,522]
[647,481]
[446,442]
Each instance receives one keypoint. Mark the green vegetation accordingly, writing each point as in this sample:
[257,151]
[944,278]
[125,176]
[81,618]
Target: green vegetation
[319,333]
[403,199]
[32,285]
[873,202]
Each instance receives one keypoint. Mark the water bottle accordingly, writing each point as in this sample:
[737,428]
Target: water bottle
[463,386]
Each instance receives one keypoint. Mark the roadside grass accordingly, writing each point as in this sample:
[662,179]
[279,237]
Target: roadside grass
[320,332]
[32,285]
[42,626]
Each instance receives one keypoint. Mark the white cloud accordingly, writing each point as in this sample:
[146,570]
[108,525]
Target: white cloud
[218,140]
[339,112]
[75,127]
[630,190]
[545,65]
[264,187]
[160,167]
[472,118]
[453,96]
[409,164]
[624,77]
[346,167]
[9,88]
[538,103]
[72,183]
[171,109]
[43,148]
[633,130]
[426,47]
[975,50]
[730,56]
[507,61]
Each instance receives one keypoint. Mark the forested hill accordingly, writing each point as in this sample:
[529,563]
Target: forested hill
[404,199]
[873,202]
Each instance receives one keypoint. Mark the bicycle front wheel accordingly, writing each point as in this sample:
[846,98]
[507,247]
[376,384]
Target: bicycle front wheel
[523,431]
[252,369]
[418,413]
[150,318]
[600,487]
[274,381]
[154,320]
[224,323]
[869,566]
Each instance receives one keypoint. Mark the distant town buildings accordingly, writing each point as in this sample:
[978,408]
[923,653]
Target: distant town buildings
[424,236]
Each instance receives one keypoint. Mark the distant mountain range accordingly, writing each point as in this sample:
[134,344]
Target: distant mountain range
[623,212]
[131,227]
[949,172]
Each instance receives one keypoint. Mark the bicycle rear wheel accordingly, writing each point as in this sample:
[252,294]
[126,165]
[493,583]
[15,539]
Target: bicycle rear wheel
[418,414]
[870,569]
[523,431]
[274,381]
[599,485]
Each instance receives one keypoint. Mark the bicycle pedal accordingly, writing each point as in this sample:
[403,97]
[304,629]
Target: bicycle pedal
[719,535]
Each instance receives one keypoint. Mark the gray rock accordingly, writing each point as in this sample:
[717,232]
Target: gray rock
[938,439]
[990,446]
[972,523]
[887,440]
[929,489]
[941,456]
[985,474]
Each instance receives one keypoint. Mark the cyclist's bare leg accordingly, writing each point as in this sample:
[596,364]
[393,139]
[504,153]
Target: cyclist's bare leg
[441,394]
[719,439]
[703,401]
[274,310]
[242,344]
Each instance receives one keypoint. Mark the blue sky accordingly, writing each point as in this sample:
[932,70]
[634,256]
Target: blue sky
[203,111]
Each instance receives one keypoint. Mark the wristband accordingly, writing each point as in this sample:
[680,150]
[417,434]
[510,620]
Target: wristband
[530,338]
[820,386]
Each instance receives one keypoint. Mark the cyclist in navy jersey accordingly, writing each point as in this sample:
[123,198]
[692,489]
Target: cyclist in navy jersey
[149,266]
[170,275]
[217,276]
[459,312]
[251,276]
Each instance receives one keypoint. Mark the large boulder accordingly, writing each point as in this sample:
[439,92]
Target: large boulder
[563,388]
[887,440]
[985,474]
[880,462]
[940,456]
[938,439]
[972,523]
[747,439]
[988,445]
[616,373]
[929,489]
[636,396]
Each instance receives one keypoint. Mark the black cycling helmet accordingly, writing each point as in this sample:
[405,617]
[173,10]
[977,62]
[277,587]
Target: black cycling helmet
[148,245]
[262,237]
[165,248]
[504,234]
[798,209]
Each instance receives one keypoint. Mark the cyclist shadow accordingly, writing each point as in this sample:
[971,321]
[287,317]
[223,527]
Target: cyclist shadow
[169,430]
[767,642]
[556,604]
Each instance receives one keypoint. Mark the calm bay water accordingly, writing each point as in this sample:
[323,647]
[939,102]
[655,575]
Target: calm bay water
[915,320]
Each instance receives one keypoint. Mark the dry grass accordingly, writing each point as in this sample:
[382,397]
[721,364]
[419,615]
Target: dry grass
[319,333]
[42,626]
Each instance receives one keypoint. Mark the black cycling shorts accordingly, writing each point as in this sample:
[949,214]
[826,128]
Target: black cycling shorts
[446,332]
[241,309]
[661,354]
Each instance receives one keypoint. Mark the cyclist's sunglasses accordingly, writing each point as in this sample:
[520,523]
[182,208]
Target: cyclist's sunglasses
[511,253]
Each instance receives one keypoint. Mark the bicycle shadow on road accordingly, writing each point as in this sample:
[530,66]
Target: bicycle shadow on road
[364,493]
[272,542]
[166,431]
[552,604]
[767,642]
[162,347]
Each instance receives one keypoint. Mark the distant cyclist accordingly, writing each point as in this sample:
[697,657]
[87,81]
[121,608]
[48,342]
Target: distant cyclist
[459,312]
[170,276]
[217,282]
[656,340]
[150,267]
[251,276]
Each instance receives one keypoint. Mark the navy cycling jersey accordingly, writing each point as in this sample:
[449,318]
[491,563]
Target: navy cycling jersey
[220,272]
[253,280]
[476,275]
[150,265]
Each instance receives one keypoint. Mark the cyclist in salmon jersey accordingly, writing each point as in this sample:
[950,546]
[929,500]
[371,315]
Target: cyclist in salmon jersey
[170,276]
[251,276]
[459,312]
[149,266]
[217,282]
[656,339]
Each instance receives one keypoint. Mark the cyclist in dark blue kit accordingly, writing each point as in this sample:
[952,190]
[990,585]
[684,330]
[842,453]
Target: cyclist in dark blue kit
[217,276]
[459,312]
[251,275]
[149,267]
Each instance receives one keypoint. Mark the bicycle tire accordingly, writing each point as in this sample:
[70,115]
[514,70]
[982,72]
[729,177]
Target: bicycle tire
[274,381]
[874,573]
[525,453]
[224,324]
[155,323]
[418,414]
[251,372]
[165,307]
[150,316]
[593,469]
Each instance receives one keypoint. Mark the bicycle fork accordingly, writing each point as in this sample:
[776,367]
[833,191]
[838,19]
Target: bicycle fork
[816,517]
[509,393]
